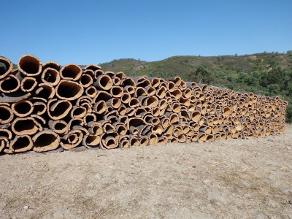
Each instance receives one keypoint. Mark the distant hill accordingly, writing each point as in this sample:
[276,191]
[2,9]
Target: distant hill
[262,73]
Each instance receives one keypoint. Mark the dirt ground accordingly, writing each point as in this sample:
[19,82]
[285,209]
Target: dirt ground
[227,179]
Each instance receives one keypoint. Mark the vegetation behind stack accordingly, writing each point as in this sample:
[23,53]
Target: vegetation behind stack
[263,73]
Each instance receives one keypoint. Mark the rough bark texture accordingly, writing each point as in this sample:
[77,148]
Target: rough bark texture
[43,107]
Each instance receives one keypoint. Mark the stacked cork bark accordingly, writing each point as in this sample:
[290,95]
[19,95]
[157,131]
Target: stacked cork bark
[47,106]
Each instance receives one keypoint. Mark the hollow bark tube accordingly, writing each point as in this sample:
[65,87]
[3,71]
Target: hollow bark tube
[52,65]
[153,139]
[58,109]
[39,108]
[71,72]
[5,67]
[46,140]
[116,91]
[22,108]
[91,141]
[28,84]
[104,82]
[124,142]
[25,126]
[9,84]
[69,90]
[59,126]
[78,112]
[45,91]
[50,76]
[4,144]
[6,114]
[86,80]
[21,144]
[72,139]
[109,141]
[29,65]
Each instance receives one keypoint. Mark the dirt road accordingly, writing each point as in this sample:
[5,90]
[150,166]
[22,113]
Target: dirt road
[235,178]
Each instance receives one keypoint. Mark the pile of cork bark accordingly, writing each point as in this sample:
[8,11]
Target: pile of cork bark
[47,106]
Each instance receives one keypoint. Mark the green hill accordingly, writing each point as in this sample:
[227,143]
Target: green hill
[262,73]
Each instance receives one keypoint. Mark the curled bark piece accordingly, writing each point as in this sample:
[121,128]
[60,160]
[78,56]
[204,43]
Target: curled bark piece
[161,92]
[69,90]
[4,144]
[143,82]
[121,129]
[109,141]
[136,125]
[144,141]
[100,107]
[128,82]
[117,81]
[108,128]
[124,142]
[153,139]
[58,109]
[176,107]
[157,129]
[150,102]
[174,118]
[23,108]
[51,76]
[171,86]
[130,89]
[150,91]
[46,140]
[227,112]
[29,65]
[115,103]
[78,112]
[28,84]
[75,123]
[5,67]
[39,108]
[52,65]
[121,75]
[86,80]
[59,126]
[72,140]
[196,116]
[92,140]
[102,95]
[141,111]
[8,98]
[104,82]
[134,102]
[155,82]
[45,91]
[116,91]
[9,84]
[177,94]
[5,133]
[25,126]
[97,73]
[93,67]
[96,128]
[71,72]
[6,114]
[134,141]
[140,92]
[90,117]
[21,144]
[91,91]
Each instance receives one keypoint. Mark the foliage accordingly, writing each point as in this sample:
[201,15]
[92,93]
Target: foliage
[264,73]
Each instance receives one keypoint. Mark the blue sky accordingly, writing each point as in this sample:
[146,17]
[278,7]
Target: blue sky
[97,31]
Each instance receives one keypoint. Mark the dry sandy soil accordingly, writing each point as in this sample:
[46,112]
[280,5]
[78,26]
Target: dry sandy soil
[227,179]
